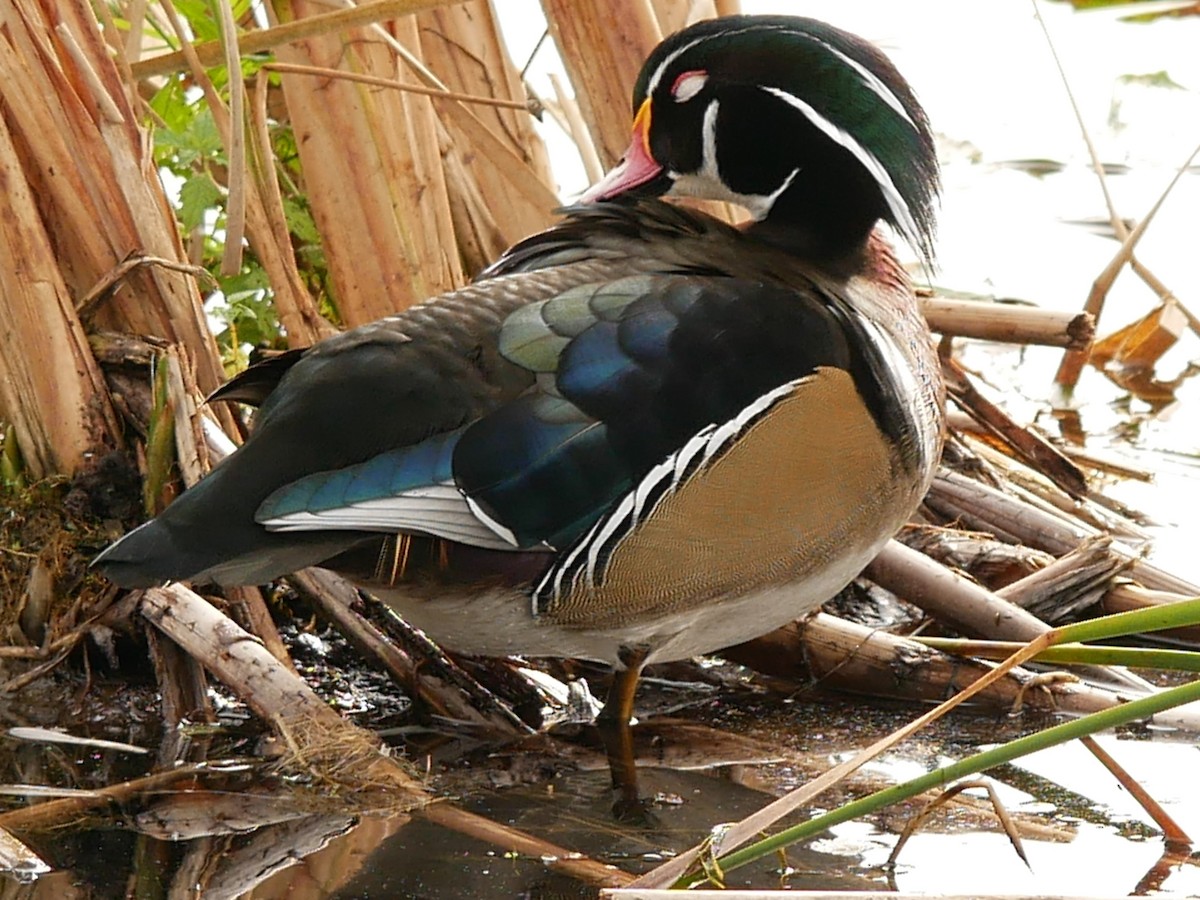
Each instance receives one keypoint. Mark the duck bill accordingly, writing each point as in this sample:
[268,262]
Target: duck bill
[636,169]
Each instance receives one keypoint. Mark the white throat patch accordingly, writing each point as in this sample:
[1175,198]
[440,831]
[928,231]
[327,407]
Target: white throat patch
[706,182]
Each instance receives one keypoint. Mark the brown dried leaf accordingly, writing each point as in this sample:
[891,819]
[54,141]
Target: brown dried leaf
[1129,355]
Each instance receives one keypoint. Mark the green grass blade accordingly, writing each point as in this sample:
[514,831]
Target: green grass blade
[1138,621]
[1085,654]
[1109,718]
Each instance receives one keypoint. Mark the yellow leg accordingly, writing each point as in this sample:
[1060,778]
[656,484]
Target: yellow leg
[613,724]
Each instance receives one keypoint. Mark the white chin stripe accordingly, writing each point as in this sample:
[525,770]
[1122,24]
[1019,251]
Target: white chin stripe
[701,185]
[707,182]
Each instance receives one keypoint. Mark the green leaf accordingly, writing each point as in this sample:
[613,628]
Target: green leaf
[12,467]
[1086,654]
[197,196]
[300,221]
[248,310]
[251,280]
[195,140]
[199,16]
[170,103]
[1158,79]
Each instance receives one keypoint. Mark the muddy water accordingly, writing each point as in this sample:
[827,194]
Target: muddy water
[1082,834]
[1009,229]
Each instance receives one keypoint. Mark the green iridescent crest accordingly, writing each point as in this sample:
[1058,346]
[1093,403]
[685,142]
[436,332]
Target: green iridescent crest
[843,85]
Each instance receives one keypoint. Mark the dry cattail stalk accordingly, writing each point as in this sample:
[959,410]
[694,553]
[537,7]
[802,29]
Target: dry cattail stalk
[75,143]
[372,171]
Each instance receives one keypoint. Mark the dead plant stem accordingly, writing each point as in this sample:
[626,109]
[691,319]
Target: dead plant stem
[235,219]
[668,873]
[445,94]
[209,53]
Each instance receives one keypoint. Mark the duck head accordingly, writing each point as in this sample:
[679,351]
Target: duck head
[808,127]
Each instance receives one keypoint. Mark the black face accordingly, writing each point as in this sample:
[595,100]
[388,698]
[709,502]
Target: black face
[677,125]
[801,123]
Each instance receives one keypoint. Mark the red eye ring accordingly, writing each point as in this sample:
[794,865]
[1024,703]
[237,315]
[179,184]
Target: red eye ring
[688,84]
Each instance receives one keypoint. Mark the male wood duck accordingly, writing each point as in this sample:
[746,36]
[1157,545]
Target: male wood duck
[643,434]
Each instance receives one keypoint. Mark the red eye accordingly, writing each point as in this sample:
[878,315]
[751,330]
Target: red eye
[688,84]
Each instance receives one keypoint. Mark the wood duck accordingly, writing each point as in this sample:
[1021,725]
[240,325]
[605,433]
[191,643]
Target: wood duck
[643,434]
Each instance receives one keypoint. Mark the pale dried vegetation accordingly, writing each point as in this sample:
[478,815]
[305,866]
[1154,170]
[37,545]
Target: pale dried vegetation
[413,146]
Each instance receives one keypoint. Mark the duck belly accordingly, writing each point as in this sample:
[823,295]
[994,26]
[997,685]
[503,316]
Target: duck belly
[500,621]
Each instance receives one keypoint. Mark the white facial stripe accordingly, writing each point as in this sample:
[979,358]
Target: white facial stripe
[881,90]
[652,84]
[699,184]
[895,202]
[769,199]
[872,81]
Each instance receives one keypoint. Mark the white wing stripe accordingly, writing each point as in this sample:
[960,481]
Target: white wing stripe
[623,511]
[439,510]
[684,456]
[496,527]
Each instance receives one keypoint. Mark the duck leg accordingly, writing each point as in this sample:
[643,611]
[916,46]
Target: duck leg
[616,733]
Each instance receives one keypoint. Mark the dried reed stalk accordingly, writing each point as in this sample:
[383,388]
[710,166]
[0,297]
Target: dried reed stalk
[332,597]
[603,46]
[1127,597]
[269,236]
[51,389]
[845,656]
[83,195]
[325,864]
[556,858]
[1024,442]
[676,14]
[210,52]
[60,812]
[463,45]
[954,497]
[256,199]
[992,563]
[1008,323]
[183,694]
[372,169]
[968,608]
[318,735]
[17,858]
[89,165]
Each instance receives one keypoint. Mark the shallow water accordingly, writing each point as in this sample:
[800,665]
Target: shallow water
[991,90]
[1081,832]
